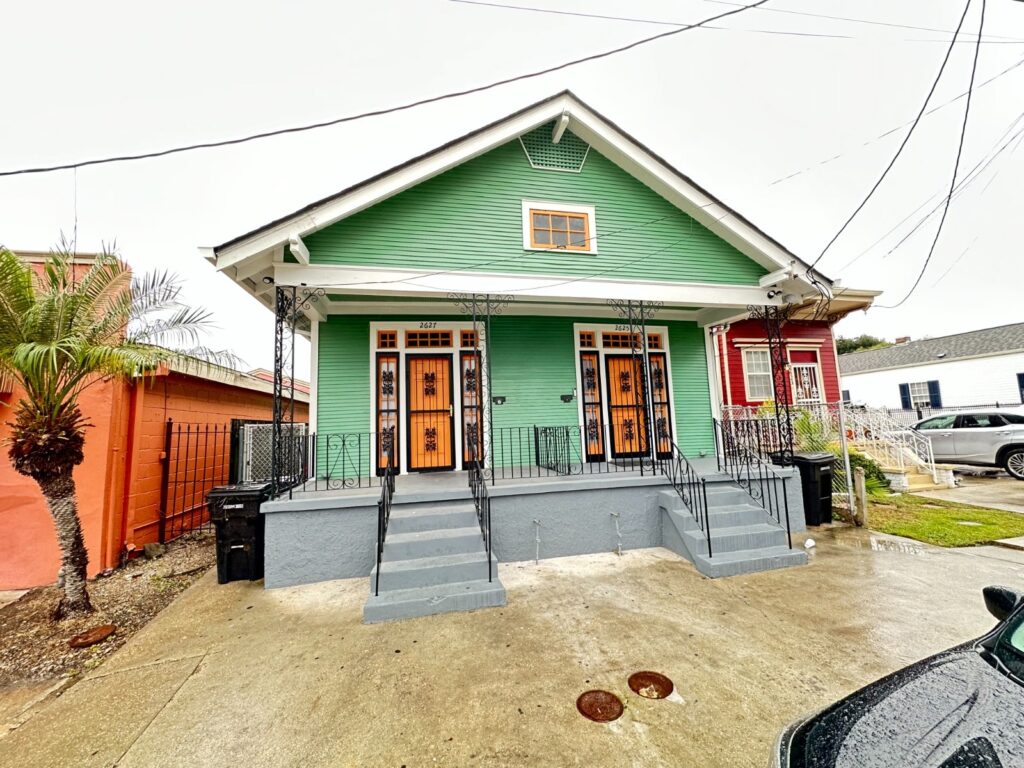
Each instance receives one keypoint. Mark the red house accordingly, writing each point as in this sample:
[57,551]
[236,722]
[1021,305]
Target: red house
[743,361]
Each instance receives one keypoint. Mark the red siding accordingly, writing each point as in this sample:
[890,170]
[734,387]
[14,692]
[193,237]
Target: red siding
[748,332]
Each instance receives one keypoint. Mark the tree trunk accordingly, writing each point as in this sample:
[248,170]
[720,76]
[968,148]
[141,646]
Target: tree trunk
[60,497]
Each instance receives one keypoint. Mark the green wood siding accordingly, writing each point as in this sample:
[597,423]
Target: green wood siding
[533,364]
[470,218]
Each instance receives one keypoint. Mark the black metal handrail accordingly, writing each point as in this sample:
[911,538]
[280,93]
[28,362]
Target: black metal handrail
[691,487]
[387,492]
[482,502]
[739,450]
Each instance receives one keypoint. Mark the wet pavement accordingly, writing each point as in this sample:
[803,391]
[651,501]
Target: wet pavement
[238,675]
[1002,492]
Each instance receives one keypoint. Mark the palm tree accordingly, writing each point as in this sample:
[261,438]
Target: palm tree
[62,329]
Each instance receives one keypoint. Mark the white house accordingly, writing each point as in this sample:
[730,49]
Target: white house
[974,368]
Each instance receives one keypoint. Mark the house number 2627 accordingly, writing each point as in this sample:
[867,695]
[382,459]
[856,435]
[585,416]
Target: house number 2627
[428,324]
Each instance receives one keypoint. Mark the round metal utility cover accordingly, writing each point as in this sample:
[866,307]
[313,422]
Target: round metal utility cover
[650,685]
[600,706]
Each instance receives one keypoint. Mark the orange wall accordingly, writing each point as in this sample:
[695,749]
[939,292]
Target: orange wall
[187,400]
[119,480]
[28,544]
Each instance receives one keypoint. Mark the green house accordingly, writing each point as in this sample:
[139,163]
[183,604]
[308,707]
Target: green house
[527,308]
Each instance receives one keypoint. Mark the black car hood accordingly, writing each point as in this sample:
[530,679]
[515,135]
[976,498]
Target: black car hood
[953,710]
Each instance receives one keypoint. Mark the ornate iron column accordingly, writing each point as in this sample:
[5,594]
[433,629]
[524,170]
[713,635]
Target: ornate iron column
[637,314]
[481,307]
[289,304]
[774,318]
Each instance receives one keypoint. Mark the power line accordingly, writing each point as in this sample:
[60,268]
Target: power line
[384,111]
[962,187]
[956,168]
[872,22]
[636,20]
[903,144]
[891,131]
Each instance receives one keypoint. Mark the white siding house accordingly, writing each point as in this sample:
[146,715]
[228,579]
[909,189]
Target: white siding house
[975,368]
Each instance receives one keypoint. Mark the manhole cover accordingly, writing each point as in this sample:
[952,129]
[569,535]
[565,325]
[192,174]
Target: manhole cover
[599,706]
[650,685]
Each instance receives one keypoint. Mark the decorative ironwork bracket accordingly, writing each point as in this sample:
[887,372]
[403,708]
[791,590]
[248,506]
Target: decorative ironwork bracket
[774,318]
[481,307]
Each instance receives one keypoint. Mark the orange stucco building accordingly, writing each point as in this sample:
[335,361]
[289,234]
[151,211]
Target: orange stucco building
[119,482]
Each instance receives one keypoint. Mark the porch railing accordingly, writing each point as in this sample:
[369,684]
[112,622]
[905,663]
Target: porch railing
[482,502]
[739,457]
[691,487]
[387,492]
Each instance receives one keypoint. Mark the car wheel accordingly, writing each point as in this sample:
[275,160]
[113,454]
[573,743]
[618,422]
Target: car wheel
[1014,462]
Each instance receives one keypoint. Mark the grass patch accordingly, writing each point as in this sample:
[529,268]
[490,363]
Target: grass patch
[938,522]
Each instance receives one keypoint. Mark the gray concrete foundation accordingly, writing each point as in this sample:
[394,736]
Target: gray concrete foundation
[320,537]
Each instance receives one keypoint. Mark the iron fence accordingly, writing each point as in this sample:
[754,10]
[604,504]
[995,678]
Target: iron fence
[196,459]
[740,455]
[910,416]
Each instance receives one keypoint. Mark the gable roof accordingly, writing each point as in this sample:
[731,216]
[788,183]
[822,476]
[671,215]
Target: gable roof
[987,342]
[604,135]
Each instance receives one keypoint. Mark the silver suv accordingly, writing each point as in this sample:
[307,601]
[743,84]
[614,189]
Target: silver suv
[983,438]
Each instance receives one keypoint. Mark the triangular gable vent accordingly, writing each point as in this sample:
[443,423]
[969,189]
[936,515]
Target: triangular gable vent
[568,154]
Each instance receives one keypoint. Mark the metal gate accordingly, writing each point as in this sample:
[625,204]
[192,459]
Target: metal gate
[256,440]
[196,459]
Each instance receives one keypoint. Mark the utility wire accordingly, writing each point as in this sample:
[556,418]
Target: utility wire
[987,159]
[891,131]
[384,111]
[872,22]
[636,20]
[903,144]
[960,189]
[956,169]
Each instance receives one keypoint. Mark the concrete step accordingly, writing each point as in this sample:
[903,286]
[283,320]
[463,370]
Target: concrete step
[431,518]
[748,561]
[738,538]
[447,541]
[431,571]
[725,495]
[736,515]
[427,601]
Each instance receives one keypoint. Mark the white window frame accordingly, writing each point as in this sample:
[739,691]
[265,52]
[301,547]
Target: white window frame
[546,205]
[750,396]
[926,402]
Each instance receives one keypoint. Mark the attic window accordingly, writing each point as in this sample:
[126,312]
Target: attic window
[559,227]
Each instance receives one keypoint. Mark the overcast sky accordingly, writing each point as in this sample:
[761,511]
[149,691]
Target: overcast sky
[736,108]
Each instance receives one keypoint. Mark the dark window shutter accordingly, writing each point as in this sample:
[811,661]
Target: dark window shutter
[905,396]
[846,395]
[934,395]
[1020,385]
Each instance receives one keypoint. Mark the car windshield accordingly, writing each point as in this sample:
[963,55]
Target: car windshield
[1009,648]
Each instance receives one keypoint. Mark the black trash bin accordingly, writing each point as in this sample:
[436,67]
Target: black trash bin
[816,482]
[235,513]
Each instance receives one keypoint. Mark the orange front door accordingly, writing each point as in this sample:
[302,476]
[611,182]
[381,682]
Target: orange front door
[431,426]
[625,405]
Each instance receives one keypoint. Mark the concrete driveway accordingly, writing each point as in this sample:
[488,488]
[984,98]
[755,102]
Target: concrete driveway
[235,675]
[1000,492]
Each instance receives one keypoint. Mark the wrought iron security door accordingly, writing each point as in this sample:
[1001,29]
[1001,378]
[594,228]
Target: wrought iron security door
[431,424]
[472,411]
[626,406]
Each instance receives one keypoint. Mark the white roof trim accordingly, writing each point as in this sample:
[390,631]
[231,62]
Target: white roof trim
[585,123]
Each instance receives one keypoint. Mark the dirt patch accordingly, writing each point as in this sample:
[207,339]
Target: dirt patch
[36,648]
